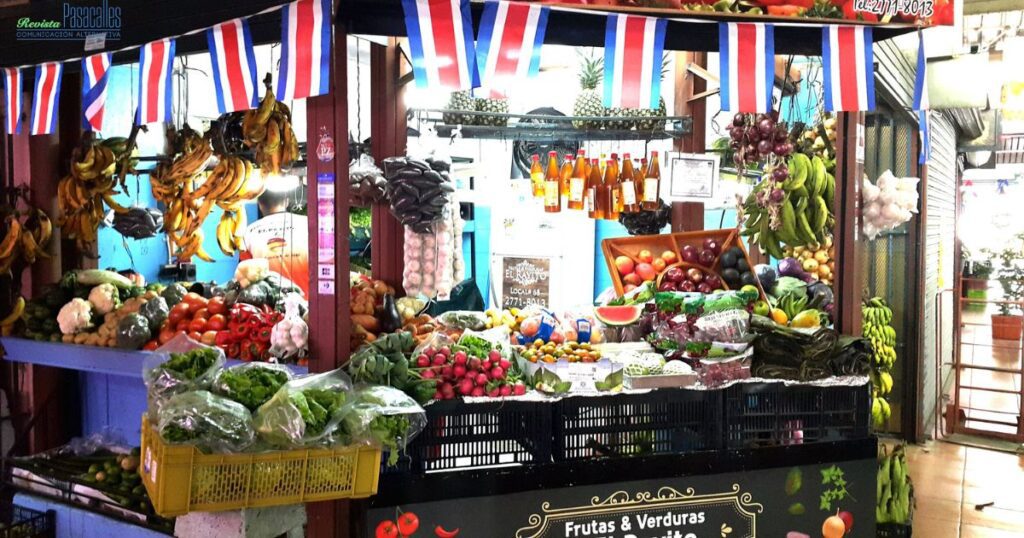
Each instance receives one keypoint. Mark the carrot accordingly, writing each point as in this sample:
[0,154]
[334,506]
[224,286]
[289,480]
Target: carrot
[366,321]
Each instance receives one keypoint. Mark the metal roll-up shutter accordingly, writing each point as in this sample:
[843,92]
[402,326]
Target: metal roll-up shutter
[939,263]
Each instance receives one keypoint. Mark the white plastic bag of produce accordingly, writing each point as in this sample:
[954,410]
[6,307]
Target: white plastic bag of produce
[290,336]
[382,416]
[304,411]
[211,422]
[251,384]
[180,365]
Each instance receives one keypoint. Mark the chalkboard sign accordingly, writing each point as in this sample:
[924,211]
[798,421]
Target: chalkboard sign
[525,281]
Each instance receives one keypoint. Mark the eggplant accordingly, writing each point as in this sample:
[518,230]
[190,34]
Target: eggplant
[767,275]
[819,295]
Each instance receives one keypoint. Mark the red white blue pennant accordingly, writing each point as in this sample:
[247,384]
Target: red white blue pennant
[633,46]
[847,61]
[305,50]
[746,66]
[94,90]
[234,65]
[441,42]
[508,46]
[156,63]
[45,98]
[12,99]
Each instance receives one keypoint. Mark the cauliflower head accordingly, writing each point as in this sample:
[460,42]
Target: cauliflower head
[75,316]
[104,298]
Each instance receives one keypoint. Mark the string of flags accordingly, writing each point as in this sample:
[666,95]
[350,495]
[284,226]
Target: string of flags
[444,55]
[305,72]
[921,103]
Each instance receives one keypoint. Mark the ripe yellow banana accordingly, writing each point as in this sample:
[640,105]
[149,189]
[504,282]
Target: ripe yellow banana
[16,312]
[10,239]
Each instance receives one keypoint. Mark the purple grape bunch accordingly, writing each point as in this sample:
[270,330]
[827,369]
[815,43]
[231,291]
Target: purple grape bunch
[755,138]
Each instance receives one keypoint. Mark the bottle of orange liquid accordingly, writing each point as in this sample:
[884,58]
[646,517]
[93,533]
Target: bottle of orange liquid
[652,184]
[639,175]
[630,204]
[595,191]
[613,191]
[564,174]
[536,177]
[552,185]
[603,162]
[577,182]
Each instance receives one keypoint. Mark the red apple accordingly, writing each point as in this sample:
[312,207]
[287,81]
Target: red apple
[689,253]
[674,274]
[847,518]
[704,288]
[695,275]
[646,271]
[687,285]
[633,279]
[713,281]
[706,258]
[712,245]
[645,256]
[667,285]
[624,265]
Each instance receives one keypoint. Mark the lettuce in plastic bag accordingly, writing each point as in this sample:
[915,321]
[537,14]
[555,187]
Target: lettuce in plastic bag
[382,416]
[303,411]
[211,422]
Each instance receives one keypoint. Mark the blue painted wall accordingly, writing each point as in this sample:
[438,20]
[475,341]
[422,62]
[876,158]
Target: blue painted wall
[147,255]
[114,401]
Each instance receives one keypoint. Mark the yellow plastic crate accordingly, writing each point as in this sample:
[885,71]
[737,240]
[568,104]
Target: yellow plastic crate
[181,479]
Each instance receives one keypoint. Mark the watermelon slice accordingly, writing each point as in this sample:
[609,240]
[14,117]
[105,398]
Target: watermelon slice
[618,315]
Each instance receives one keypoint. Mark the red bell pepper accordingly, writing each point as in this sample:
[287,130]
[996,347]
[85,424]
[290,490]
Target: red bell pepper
[238,329]
[223,339]
[263,334]
[234,350]
[246,350]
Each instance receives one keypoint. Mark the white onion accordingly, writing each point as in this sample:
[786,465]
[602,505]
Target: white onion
[871,211]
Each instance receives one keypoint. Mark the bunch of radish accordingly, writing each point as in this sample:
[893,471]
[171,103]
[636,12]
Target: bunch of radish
[458,374]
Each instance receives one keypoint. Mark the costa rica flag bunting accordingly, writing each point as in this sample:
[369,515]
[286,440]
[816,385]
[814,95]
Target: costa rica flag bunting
[234,65]
[848,67]
[156,64]
[305,50]
[746,66]
[633,47]
[45,97]
[12,99]
[94,90]
[441,44]
[509,45]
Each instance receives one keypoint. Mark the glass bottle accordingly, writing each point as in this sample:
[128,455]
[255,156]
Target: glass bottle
[536,177]
[578,182]
[564,174]
[652,184]
[552,185]
[630,204]
[612,191]
[595,191]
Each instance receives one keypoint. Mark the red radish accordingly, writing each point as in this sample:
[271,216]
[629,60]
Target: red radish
[447,372]
[438,396]
[459,371]
[428,374]
[494,392]
[465,386]
[478,391]
[494,355]
[505,390]
[440,359]
[422,361]
[474,363]
[481,380]
[446,351]
[460,357]
[505,364]
[497,373]
[519,389]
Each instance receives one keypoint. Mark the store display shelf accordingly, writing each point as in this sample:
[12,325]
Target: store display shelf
[102,360]
[552,127]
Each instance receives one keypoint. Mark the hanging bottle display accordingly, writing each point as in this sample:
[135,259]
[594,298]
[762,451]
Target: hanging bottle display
[652,184]
[552,185]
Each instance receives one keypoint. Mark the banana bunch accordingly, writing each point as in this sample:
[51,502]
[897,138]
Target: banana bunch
[877,318]
[509,318]
[82,193]
[268,130]
[894,489]
[796,211]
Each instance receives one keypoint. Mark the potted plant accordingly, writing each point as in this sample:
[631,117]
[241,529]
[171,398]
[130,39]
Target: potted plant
[1006,325]
[976,272]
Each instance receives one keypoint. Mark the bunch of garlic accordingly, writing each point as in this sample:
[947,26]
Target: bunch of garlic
[888,203]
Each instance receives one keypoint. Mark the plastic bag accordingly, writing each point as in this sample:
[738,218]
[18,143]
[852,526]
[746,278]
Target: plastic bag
[304,411]
[366,181]
[433,343]
[251,384]
[180,365]
[290,336]
[463,319]
[202,418]
[382,416]
[479,344]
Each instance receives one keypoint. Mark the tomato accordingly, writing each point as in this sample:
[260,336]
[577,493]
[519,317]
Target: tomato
[151,345]
[177,313]
[202,313]
[217,306]
[165,335]
[181,326]
[408,523]
[197,325]
[195,336]
[223,338]
[195,302]
[217,322]
[209,338]
[386,529]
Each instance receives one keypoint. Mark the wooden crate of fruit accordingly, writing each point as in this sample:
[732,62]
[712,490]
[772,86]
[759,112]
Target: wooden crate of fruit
[705,261]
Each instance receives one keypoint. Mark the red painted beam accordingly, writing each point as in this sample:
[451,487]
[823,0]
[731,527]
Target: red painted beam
[388,139]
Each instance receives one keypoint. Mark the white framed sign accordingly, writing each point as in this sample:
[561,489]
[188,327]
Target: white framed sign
[693,177]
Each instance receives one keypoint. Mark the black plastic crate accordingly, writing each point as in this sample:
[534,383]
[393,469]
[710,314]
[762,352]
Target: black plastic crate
[893,530]
[772,414]
[658,422]
[462,435]
[21,522]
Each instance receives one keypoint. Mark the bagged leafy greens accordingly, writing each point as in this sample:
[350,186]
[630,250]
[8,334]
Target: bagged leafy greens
[251,384]
[303,411]
[181,365]
[211,422]
[382,416]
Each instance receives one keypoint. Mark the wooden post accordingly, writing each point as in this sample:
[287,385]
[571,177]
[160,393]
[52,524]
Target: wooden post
[329,329]
[388,137]
[690,85]
[687,216]
[849,169]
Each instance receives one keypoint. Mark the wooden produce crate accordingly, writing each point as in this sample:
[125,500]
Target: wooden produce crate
[181,479]
[674,242]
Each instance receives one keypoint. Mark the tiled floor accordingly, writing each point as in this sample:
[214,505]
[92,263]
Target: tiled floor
[950,480]
[997,409]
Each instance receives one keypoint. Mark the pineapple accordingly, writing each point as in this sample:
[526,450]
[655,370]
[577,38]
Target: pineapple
[651,124]
[589,102]
[493,106]
[459,101]
[621,124]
